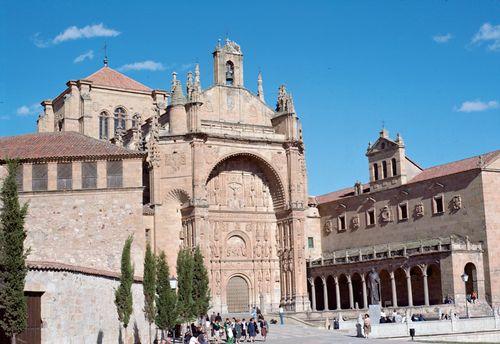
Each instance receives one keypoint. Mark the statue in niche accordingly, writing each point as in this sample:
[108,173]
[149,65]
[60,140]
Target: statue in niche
[217,282]
[355,222]
[214,249]
[386,214]
[374,287]
[329,226]
[456,203]
[419,209]
[236,247]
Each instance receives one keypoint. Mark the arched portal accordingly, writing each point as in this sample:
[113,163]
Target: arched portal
[417,286]
[320,300]
[332,297]
[401,287]
[434,283]
[385,288]
[244,193]
[237,295]
[344,292]
[471,284]
[357,291]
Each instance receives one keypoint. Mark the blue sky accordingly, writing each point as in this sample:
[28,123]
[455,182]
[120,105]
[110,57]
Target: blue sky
[428,69]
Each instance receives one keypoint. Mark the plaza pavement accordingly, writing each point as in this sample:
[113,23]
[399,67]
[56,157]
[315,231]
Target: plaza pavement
[295,334]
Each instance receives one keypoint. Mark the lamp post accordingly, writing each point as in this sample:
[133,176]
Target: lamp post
[465,278]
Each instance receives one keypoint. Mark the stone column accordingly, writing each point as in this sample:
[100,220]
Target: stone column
[337,292]
[408,284]
[426,289]
[365,294]
[313,294]
[393,289]
[325,292]
[351,296]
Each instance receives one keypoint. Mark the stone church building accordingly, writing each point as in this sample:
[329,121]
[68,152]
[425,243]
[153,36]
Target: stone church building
[219,168]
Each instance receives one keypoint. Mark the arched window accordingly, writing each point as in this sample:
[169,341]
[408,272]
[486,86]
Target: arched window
[229,73]
[103,126]
[394,167]
[384,169]
[120,115]
[375,171]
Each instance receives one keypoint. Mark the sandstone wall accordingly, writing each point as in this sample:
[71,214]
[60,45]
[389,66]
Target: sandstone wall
[80,309]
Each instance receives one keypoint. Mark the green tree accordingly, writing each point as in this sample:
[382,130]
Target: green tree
[13,268]
[166,299]
[185,304]
[201,291]
[123,295]
[149,286]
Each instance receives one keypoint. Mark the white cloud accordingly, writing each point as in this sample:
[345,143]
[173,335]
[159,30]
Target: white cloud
[27,110]
[143,65]
[442,38]
[73,33]
[88,55]
[185,66]
[477,106]
[89,31]
[489,34]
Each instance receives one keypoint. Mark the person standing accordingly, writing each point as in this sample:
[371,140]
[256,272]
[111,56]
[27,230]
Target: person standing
[281,311]
[252,330]
[229,332]
[244,331]
[263,327]
[367,325]
[238,331]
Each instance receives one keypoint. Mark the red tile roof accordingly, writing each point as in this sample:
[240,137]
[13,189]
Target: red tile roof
[60,145]
[455,167]
[111,78]
[426,174]
[56,266]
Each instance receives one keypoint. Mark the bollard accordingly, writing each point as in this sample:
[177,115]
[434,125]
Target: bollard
[412,333]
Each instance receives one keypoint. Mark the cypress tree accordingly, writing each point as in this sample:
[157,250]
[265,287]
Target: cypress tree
[201,291]
[166,299]
[185,302]
[123,295]
[13,268]
[149,286]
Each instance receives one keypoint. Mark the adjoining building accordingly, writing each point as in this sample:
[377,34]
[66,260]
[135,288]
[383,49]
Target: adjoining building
[219,168]
[420,229]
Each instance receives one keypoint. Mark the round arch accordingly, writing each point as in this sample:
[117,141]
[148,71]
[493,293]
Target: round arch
[434,283]
[471,284]
[417,285]
[277,189]
[239,293]
[320,300]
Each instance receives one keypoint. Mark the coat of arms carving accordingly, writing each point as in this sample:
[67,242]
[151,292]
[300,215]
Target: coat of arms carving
[456,203]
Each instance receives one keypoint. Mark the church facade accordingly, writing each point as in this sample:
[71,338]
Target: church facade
[219,168]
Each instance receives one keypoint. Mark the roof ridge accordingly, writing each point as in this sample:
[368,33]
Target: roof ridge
[497,151]
[106,70]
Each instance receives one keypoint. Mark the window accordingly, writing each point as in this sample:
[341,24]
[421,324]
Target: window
[39,176]
[119,118]
[370,217]
[384,169]
[115,174]
[310,242]
[229,73]
[103,126]
[438,205]
[403,212]
[342,222]
[64,176]
[394,167]
[375,171]
[89,175]
[19,177]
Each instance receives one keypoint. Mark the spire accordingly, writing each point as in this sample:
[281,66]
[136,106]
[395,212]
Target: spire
[260,88]
[384,133]
[197,83]
[189,84]
[399,140]
[177,95]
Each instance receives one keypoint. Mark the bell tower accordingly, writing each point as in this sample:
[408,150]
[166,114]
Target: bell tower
[228,64]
